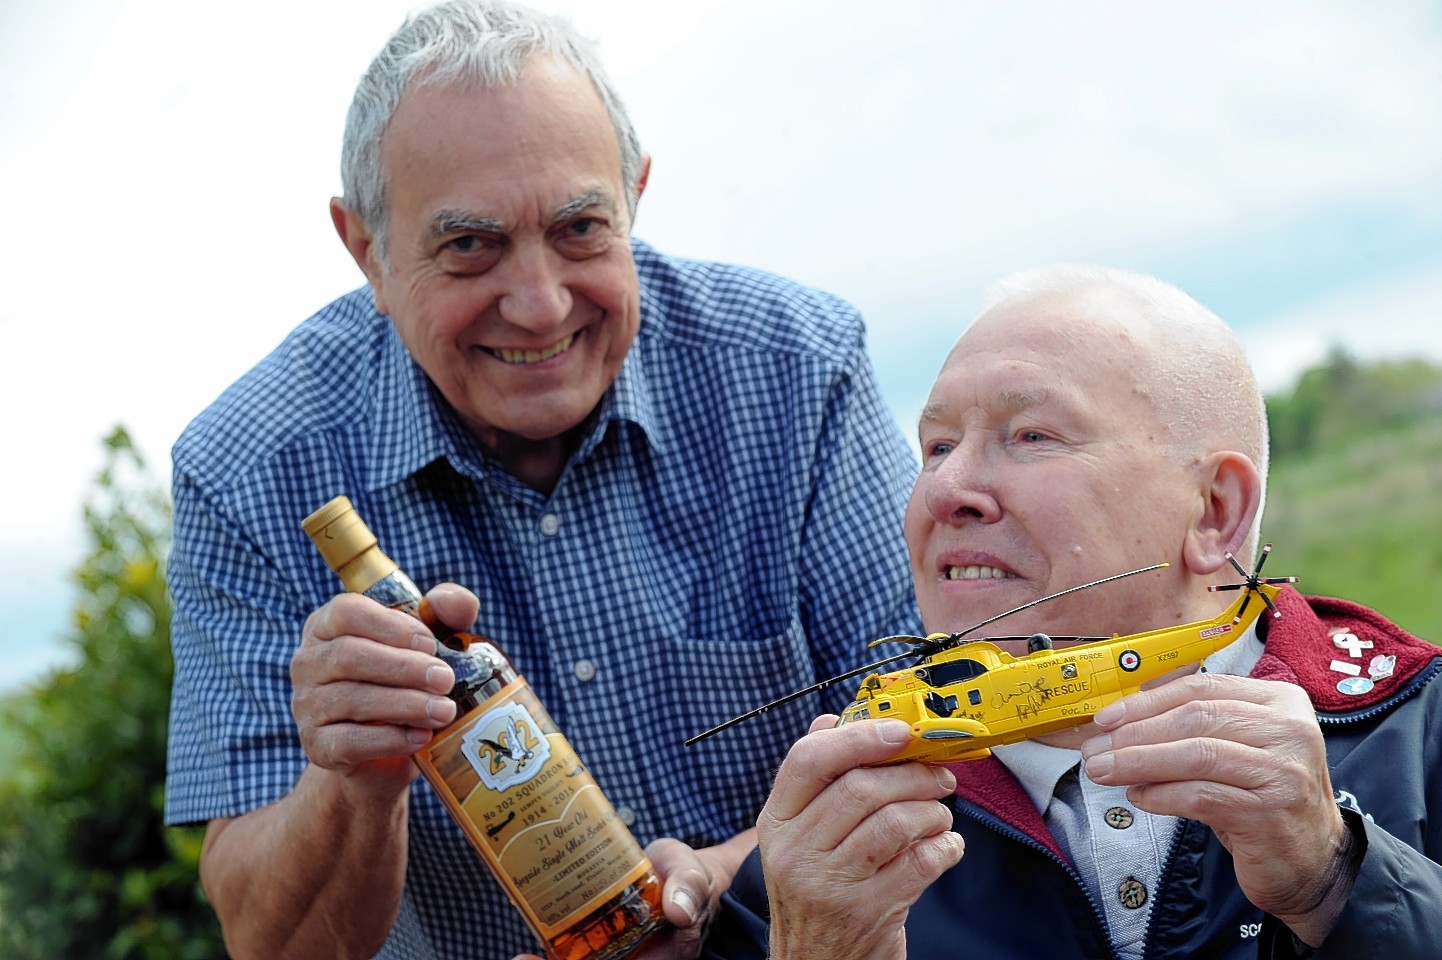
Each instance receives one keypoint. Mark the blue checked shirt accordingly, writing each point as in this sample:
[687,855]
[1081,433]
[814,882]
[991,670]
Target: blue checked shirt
[729,531]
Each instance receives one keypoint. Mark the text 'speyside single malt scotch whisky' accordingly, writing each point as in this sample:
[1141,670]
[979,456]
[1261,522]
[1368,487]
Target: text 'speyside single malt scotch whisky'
[510,778]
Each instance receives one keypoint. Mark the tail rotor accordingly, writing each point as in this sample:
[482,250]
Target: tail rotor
[1251,581]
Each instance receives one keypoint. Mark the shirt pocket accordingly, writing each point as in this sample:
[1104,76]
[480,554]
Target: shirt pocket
[716,786]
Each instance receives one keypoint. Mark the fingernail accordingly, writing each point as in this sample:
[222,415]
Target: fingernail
[687,903]
[440,678]
[945,779]
[440,709]
[1112,713]
[894,731]
[418,737]
[1100,766]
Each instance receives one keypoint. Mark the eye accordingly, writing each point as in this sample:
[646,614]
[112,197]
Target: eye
[470,253]
[937,449]
[1033,436]
[583,237]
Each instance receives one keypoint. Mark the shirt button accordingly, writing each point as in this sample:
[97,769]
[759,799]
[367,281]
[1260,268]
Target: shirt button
[1119,818]
[550,523]
[627,815]
[1132,893]
[584,670]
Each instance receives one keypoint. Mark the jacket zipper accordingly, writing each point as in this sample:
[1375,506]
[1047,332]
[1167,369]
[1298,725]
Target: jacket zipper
[1000,826]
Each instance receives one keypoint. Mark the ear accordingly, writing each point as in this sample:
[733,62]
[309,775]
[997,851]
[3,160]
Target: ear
[641,180]
[1231,492]
[357,238]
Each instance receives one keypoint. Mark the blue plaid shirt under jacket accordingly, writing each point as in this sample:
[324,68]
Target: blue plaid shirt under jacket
[729,531]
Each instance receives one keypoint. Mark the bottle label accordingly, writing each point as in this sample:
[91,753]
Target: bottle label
[526,801]
[506,747]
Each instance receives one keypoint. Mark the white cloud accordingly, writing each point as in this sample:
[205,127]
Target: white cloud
[1382,321]
[166,219]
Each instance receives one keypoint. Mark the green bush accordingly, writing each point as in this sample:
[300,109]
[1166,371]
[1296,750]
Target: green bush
[87,868]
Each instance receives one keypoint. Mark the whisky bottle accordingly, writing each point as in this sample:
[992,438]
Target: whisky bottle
[510,779]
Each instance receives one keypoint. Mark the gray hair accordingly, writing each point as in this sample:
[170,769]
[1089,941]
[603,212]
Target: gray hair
[1202,386]
[460,41]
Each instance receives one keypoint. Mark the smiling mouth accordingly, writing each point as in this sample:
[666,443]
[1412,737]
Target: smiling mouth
[977,572]
[522,358]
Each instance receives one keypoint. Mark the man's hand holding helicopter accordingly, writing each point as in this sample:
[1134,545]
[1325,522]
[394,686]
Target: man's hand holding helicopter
[1246,758]
[849,847]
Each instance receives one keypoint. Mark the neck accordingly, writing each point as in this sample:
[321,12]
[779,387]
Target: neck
[536,463]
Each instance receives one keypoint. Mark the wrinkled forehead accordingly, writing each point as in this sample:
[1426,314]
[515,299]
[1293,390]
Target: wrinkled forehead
[1055,349]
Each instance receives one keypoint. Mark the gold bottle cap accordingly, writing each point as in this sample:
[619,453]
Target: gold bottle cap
[347,544]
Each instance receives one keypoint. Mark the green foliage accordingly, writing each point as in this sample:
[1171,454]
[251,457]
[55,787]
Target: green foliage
[1341,401]
[1352,503]
[87,868]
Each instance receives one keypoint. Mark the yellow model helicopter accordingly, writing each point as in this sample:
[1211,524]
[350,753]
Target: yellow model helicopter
[964,697]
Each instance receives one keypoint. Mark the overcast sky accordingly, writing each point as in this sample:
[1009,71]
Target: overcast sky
[165,169]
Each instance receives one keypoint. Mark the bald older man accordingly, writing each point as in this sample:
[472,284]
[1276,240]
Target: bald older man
[1285,799]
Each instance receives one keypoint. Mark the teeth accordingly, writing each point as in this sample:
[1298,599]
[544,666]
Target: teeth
[976,572]
[533,356]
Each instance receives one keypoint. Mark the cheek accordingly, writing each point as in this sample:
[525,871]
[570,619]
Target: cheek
[915,524]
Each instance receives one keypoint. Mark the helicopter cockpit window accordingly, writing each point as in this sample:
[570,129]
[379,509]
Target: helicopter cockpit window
[953,671]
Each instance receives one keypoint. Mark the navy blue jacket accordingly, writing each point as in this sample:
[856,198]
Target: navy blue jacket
[1016,895]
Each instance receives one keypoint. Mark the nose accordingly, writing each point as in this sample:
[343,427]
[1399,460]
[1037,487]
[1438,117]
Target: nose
[535,296]
[961,488]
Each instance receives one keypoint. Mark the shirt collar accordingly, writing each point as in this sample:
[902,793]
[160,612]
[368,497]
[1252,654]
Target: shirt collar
[413,425]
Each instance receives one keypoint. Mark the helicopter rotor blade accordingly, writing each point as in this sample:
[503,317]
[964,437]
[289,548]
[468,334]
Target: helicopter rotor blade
[1251,581]
[814,688]
[920,647]
[1241,570]
[1053,596]
[916,642]
[1266,552]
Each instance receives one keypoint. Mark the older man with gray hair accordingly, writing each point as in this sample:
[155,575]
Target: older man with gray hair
[1283,800]
[671,485]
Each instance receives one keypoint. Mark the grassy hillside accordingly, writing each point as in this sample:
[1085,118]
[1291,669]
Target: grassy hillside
[1357,512]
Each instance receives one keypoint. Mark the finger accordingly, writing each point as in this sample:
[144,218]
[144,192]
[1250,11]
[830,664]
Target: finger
[689,887]
[1204,759]
[1200,686]
[821,757]
[352,701]
[824,722]
[923,862]
[453,605]
[360,659]
[890,833]
[344,746]
[353,615]
[863,820]
[1235,720]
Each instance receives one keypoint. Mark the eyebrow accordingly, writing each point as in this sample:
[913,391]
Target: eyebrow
[448,221]
[1010,400]
[573,208]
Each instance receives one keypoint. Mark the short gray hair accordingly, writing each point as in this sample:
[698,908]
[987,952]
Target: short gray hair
[460,41]
[1202,386]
